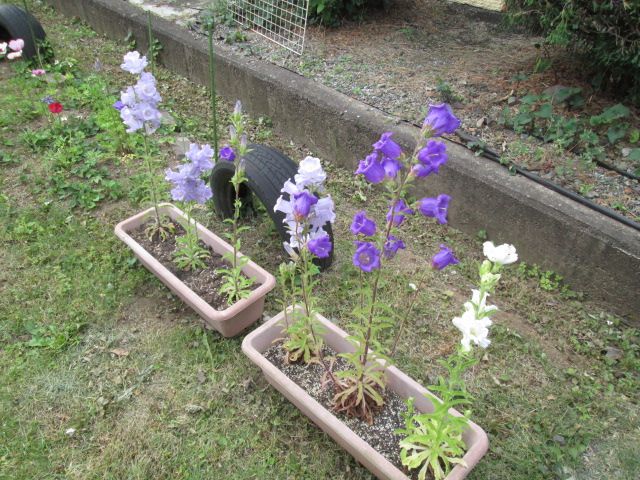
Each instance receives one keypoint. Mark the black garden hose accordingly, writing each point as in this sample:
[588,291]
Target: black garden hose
[492,155]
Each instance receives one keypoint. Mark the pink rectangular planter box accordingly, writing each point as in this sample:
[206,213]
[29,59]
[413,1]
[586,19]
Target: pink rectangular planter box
[262,338]
[230,321]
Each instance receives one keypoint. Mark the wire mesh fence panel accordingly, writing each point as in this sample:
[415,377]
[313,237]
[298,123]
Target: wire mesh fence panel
[281,21]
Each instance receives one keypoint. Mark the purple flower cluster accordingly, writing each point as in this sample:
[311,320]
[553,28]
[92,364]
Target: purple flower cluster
[306,214]
[139,104]
[188,185]
[387,163]
[384,162]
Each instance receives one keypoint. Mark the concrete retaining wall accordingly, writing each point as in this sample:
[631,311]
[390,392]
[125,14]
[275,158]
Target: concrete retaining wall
[594,253]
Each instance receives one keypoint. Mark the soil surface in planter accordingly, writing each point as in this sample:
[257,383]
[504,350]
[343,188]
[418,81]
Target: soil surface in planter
[380,435]
[206,282]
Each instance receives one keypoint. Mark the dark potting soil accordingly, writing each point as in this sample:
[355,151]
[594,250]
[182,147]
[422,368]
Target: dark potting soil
[206,282]
[380,435]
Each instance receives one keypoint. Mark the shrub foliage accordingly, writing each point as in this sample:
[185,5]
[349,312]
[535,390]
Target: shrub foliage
[606,32]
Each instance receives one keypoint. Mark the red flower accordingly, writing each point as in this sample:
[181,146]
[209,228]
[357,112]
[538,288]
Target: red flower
[55,107]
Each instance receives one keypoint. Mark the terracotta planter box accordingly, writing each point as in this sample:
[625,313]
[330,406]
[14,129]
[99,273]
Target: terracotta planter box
[262,338]
[228,322]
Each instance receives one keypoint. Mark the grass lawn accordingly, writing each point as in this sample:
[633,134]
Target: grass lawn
[105,374]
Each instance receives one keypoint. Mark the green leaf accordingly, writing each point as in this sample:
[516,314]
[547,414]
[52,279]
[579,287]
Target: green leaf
[617,132]
[611,114]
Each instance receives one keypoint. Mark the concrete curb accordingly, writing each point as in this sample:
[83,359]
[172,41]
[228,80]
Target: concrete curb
[594,253]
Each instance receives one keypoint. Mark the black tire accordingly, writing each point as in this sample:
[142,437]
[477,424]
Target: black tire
[266,169]
[17,23]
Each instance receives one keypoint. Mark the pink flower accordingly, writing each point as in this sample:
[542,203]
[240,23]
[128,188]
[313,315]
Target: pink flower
[38,72]
[13,55]
[16,45]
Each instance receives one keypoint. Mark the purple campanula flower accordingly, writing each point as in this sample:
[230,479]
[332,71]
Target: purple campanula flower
[392,245]
[48,100]
[131,121]
[146,91]
[118,105]
[366,257]
[362,225]
[443,258]
[227,153]
[435,207]
[320,246]
[388,147]
[371,168]
[133,63]
[200,158]
[302,203]
[440,119]
[187,185]
[128,97]
[400,210]
[391,166]
[431,158]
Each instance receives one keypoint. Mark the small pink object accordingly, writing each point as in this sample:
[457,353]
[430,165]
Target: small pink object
[38,72]
[16,45]
[13,55]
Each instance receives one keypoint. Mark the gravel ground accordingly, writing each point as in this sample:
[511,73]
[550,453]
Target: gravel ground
[428,52]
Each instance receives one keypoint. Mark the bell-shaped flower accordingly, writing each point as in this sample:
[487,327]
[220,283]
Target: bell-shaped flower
[388,147]
[366,256]
[443,258]
[323,213]
[371,168]
[226,153]
[435,207]
[392,245]
[440,120]
[430,158]
[391,166]
[473,330]
[361,225]
[310,173]
[302,203]
[134,63]
[320,246]
[502,254]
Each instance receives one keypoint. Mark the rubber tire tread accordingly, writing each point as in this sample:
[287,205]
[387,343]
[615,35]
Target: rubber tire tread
[266,170]
[15,21]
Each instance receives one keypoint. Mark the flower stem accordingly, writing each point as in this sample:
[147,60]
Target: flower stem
[212,88]
[150,39]
[154,197]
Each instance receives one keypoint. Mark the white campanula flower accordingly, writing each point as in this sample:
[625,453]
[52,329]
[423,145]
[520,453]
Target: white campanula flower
[134,63]
[305,213]
[479,305]
[310,173]
[473,330]
[323,212]
[3,48]
[503,254]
